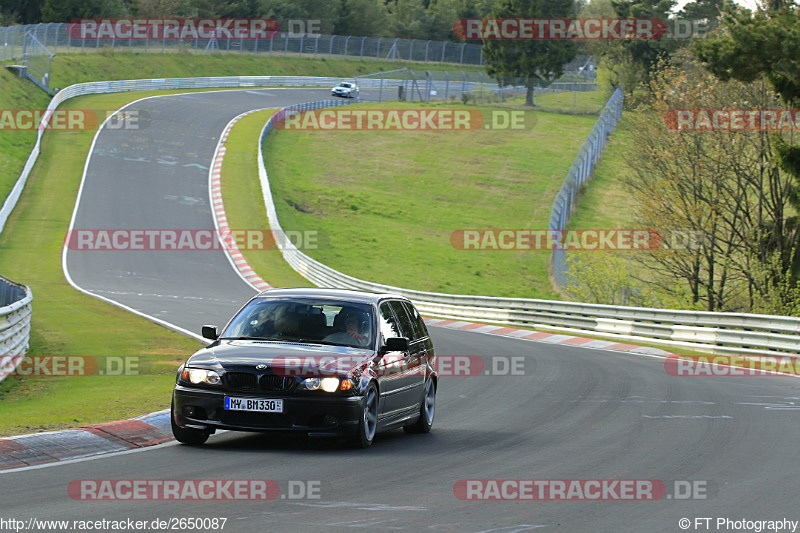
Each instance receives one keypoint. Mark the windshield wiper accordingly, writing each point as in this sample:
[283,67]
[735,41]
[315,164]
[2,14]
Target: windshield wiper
[247,339]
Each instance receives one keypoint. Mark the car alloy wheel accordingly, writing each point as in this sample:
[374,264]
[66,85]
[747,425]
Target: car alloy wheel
[427,409]
[368,424]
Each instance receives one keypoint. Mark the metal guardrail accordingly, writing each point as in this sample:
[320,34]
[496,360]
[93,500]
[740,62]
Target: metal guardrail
[714,332]
[718,333]
[103,87]
[15,324]
[578,174]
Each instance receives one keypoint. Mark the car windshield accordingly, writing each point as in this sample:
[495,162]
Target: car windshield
[304,320]
[345,85]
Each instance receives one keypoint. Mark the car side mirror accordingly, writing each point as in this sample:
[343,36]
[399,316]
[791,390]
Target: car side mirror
[396,344]
[210,332]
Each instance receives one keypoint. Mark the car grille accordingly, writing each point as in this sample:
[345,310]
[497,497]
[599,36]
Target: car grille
[275,383]
[242,381]
[248,382]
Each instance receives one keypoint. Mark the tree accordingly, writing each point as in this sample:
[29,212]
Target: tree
[765,43]
[530,63]
[164,9]
[708,10]
[752,46]
[411,19]
[631,61]
[68,10]
[21,11]
[719,188]
[362,17]
[325,11]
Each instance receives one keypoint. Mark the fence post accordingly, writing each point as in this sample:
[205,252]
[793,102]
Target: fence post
[362,46]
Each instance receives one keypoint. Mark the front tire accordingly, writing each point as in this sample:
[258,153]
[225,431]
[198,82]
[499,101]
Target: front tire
[427,410]
[191,436]
[368,423]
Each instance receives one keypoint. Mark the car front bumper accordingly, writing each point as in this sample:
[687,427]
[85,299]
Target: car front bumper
[204,409]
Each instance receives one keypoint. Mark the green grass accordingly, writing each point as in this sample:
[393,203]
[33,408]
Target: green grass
[15,146]
[495,183]
[589,102]
[66,322]
[391,200]
[68,69]
[244,204]
[76,68]
[605,201]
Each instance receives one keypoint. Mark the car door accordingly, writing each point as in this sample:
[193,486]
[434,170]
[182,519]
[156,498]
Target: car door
[388,366]
[410,388]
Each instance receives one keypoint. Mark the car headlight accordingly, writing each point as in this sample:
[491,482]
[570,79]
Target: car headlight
[326,384]
[200,376]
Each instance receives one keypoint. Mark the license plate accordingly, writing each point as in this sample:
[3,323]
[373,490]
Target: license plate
[252,404]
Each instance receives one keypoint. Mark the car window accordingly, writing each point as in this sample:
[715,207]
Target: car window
[419,324]
[406,325]
[388,323]
[304,320]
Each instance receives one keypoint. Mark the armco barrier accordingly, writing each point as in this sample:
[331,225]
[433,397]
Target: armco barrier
[102,87]
[15,324]
[714,332]
[719,333]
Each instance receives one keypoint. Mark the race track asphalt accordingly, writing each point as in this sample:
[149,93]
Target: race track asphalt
[571,413]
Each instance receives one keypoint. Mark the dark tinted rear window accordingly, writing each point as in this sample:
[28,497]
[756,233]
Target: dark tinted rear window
[419,324]
[406,324]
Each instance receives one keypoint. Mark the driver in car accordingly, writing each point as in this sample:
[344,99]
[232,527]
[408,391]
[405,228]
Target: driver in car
[356,331]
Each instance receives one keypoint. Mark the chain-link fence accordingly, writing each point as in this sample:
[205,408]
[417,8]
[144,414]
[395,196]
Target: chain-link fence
[423,86]
[55,37]
[36,61]
[578,174]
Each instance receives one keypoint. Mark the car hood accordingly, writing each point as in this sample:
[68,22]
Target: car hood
[245,355]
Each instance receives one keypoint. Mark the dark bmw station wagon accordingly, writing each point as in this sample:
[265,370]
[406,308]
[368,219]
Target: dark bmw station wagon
[323,362]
